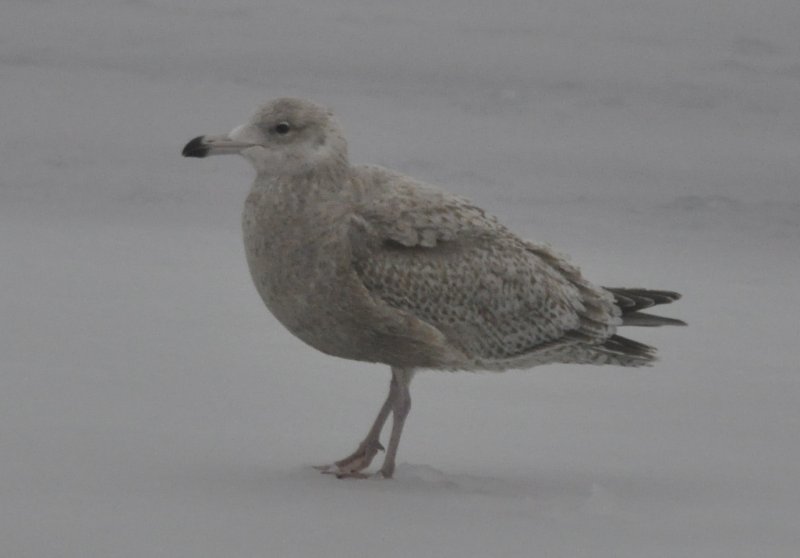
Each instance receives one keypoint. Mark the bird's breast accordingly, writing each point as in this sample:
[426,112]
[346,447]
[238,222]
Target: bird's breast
[299,260]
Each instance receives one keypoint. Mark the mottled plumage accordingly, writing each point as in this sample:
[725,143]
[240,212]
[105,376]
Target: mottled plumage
[500,301]
[367,264]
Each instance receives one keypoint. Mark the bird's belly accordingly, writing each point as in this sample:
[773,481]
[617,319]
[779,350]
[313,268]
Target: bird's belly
[319,314]
[335,317]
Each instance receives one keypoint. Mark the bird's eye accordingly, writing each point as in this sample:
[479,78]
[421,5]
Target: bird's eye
[282,128]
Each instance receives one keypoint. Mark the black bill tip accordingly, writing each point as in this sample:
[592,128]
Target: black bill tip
[195,148]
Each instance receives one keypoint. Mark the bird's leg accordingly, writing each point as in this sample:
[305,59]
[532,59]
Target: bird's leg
[366,451]
[401,405]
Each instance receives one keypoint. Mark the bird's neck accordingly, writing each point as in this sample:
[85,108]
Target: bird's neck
[298,190]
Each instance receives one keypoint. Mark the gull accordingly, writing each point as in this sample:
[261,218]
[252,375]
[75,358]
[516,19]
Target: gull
[367,264]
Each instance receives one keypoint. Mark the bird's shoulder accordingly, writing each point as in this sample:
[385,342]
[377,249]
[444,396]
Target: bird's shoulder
[400,209]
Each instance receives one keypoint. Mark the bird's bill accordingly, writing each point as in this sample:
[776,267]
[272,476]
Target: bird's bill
[223,144]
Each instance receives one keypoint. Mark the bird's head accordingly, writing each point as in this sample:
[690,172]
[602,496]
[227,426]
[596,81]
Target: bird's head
[286,136]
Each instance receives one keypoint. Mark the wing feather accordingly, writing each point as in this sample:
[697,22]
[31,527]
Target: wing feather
[494,296]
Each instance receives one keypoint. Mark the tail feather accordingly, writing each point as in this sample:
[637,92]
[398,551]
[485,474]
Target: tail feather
[631,301]
[643,319]
[629,347]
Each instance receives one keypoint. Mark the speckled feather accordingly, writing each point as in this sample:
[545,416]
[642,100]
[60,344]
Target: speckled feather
[502,301]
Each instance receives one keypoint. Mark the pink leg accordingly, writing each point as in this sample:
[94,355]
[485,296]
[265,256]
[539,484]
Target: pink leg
[398,402]
[401,405]
[362,457]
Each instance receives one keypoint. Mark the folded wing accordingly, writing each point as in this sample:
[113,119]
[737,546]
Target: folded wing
[500,300]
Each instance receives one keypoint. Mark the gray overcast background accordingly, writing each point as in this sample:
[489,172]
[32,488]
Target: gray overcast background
[150,405]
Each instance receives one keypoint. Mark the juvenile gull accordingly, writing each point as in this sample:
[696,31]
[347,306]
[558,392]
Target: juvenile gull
[367,264]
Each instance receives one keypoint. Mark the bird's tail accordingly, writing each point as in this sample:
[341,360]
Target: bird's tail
[632,301]
[627,352]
